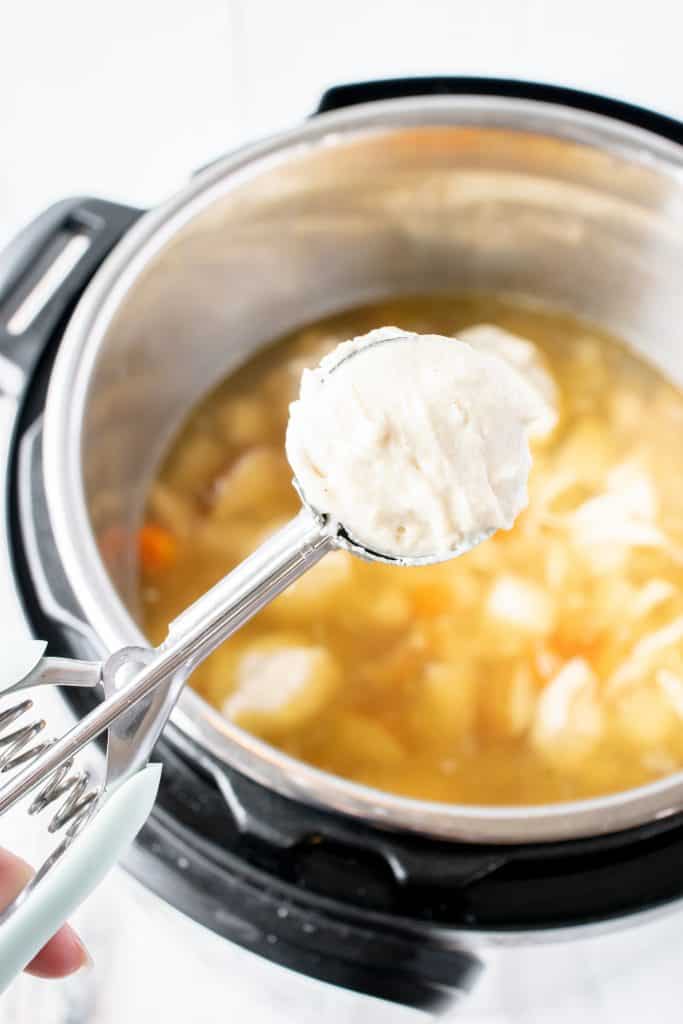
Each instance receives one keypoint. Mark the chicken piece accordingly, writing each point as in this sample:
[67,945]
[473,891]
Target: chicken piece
[569,720]
[646,654]
[280,685]
[584,458]
[655,594]
[671,684]
[625,513]
[507,703]
[316,591]
[647,715]
[445,701]
[373,607]
[390,609]
[259,480]
[624,614]
[195,463]
[521,605]
[607,528]
[244,421]
[557,564]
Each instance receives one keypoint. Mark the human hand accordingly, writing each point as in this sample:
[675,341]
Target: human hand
[64,953]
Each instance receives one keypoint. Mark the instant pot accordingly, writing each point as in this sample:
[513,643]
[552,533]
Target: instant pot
[115,321]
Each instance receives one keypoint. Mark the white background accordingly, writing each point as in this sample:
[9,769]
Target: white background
[122,100]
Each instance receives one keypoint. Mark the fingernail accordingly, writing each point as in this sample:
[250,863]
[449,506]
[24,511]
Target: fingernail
[87,963]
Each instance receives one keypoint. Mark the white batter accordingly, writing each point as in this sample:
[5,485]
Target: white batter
[523,356]
[416,446]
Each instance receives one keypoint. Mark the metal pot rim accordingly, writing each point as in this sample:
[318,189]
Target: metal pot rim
[199,729]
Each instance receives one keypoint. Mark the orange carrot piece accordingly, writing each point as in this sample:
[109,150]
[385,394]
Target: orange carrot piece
[157,548]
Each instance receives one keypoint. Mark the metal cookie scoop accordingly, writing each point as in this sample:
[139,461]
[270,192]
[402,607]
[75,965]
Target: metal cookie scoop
[134,673]
[375,445]
[140,687]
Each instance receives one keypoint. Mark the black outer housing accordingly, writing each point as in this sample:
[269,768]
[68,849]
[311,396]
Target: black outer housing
[319,892]
[394,88]
[31,252]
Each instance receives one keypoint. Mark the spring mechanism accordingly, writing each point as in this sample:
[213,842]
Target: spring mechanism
[16,750]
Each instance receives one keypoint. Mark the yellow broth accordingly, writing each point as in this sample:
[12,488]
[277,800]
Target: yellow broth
[546,664]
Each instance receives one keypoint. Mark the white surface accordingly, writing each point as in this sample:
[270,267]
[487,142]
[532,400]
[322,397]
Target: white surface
[122,100]
[154,967]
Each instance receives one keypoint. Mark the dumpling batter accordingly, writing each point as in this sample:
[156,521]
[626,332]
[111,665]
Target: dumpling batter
[414,443]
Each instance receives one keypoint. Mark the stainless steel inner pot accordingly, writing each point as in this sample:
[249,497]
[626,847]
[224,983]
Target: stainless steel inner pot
[389,198]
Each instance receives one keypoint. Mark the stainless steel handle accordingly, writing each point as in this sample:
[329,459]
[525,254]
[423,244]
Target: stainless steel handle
[192,637]
[204,626]
[280,560]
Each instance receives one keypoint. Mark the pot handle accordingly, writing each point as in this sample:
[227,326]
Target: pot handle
[43,273]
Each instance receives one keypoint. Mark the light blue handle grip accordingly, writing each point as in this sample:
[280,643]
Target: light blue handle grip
[18,658]
[77,873]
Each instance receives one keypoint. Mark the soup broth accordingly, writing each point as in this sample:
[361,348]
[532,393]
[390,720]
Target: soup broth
[544,665]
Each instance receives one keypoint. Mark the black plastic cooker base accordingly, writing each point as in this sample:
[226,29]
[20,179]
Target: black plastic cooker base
[384,913]
[350,95]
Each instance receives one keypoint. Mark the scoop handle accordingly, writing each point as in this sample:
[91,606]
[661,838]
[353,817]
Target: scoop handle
[198,631]
[254,583]
[46,904]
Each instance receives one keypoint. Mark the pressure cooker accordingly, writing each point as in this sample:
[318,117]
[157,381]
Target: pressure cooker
[115,321]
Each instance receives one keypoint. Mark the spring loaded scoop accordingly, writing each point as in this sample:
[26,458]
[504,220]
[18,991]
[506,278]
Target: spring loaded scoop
[140,686]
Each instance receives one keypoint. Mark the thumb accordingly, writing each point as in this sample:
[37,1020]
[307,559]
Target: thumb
[64,953]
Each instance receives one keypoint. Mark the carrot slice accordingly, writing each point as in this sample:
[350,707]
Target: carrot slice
[157,548]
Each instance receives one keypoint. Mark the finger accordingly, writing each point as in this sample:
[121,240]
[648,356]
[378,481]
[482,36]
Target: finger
[64,953]
[14,874]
